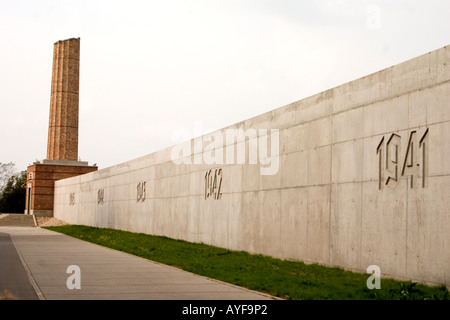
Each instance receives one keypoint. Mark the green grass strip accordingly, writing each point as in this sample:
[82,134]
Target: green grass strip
[282,278]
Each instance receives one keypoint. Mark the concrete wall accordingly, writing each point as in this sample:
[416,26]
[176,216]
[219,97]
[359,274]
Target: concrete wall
[334,199]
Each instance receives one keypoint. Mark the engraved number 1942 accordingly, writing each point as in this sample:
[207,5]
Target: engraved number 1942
[213,184]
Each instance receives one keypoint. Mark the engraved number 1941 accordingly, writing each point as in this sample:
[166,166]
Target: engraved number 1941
[415,162]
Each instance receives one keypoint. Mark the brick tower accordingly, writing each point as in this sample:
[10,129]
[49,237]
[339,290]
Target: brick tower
[62,145]
[63,122]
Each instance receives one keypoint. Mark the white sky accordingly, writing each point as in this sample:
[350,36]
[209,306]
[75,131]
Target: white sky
[152,68]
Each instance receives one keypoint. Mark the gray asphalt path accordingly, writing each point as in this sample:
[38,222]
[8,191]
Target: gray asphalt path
[104,274]
[14,280]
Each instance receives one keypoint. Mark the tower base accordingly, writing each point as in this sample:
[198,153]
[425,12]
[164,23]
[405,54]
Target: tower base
[41,177]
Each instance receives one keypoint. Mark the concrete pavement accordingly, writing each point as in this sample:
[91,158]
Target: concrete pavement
[14,279]
[106,273]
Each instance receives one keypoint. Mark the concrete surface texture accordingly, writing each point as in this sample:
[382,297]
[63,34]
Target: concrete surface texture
[359,176]
[45,265]
[14,281]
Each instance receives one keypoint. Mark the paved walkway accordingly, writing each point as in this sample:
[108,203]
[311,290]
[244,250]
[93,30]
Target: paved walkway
[13,275]
[44,256]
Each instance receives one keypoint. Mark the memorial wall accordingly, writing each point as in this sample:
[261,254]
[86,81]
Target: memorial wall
[355,176]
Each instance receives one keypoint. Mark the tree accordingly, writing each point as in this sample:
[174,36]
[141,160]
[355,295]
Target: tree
[12,195]
[6,171]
